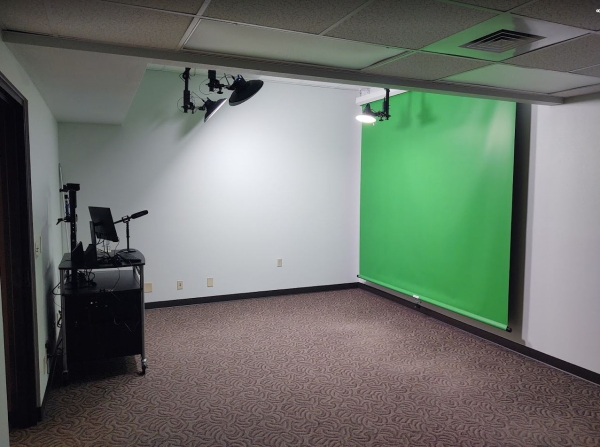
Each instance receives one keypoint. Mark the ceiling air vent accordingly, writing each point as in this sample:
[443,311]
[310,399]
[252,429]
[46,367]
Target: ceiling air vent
[501,41]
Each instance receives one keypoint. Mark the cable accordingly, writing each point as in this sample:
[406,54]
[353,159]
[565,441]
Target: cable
[118,279]
[200,87]
[226,76]
[56,287]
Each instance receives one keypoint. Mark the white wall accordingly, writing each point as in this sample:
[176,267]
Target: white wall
[43,141]
[562,305]
[276,177]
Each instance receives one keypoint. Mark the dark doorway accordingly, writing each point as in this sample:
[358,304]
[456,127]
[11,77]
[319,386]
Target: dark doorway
[17,274]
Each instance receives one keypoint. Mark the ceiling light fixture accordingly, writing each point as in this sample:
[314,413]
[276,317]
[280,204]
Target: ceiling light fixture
[189,101]
[368,116]
[212,107]
[242,91]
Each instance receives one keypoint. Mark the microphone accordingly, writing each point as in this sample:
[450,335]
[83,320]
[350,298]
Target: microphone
[133,216]
[138,214]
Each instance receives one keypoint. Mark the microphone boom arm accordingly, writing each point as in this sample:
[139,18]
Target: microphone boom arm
[126,220]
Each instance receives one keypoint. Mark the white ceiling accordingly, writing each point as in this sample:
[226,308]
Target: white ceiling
[80,86]
[414,44]
[532,80]
[267,43]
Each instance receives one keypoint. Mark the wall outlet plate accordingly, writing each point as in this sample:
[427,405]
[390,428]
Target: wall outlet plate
[280,263]
[38,246]
[209,282]
[147,287]
[179,285]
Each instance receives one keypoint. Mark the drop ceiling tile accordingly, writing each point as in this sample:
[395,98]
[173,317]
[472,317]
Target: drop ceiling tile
[30,16]
[105,22]
[579,13]
[264,43]
[500,5]
[187,6]
[408,23]
[567,56]
[590,71]
[589,90]
[500,32]
[527,79]
[309,16]
[427,66]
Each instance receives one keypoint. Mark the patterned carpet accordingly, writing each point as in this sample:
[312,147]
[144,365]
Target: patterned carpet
[343,368]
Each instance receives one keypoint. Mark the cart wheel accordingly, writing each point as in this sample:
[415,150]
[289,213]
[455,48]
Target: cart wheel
[144,366]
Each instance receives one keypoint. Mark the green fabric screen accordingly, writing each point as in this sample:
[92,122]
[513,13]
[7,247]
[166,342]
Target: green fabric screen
[436,202]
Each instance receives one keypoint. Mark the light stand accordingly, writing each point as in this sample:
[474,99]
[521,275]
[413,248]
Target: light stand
[71,218]
[126,219]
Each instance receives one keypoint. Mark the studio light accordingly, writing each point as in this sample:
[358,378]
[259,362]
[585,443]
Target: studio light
[243,90]
[212,107]
[368,116]
[189,101]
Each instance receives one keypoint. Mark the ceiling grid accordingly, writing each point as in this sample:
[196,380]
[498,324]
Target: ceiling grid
[419,44]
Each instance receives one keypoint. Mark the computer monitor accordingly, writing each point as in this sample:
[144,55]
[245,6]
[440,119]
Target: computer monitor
[104,227]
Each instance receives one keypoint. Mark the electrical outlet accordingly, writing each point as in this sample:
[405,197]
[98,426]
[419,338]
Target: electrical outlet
[179,285]
[147,287]
[38,247]
[280,263]
[209,282]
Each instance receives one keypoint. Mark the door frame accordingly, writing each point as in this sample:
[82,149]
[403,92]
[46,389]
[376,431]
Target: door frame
[18,280]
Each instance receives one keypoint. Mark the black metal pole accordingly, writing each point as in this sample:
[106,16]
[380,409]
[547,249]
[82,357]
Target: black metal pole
[73,218]
[127,235]
[386,104]
[186,91]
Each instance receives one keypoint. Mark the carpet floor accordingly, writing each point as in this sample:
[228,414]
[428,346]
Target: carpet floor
[344,368]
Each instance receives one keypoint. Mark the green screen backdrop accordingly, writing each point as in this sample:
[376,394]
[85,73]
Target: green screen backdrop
[436,202]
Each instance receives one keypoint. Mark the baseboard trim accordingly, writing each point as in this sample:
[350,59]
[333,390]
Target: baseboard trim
[509,344]
[248,295]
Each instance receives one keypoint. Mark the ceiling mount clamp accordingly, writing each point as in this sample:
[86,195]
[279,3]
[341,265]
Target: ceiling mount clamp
[368,116]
